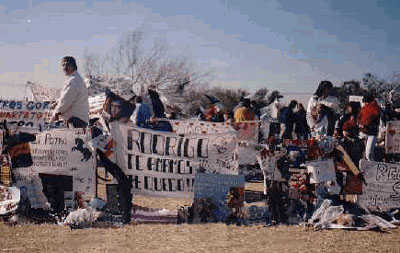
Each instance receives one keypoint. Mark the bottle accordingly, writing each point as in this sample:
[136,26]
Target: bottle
[5,172]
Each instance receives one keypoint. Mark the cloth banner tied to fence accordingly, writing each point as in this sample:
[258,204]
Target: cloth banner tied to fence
[164,164]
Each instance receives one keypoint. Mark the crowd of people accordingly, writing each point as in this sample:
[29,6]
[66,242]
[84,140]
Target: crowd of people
[355,123]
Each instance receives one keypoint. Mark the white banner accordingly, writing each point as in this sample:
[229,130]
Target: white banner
[164,164]
[247,131]
[382,187]
[321,171]
[392,141]
[29,114]
[62,163]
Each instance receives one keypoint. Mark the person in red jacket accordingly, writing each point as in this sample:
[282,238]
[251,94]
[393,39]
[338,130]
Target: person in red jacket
[368,122]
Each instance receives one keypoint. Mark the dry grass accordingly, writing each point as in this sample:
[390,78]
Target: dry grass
[192,238]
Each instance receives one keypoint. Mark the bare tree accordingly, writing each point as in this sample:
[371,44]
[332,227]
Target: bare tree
[93,64]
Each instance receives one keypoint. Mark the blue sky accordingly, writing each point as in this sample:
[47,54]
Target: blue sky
[287,45]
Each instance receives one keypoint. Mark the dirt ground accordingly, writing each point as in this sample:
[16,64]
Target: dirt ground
[192,238]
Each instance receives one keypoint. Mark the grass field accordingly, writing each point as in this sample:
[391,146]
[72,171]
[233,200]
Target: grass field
[192,238]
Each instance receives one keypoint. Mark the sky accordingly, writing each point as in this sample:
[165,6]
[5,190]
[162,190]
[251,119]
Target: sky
[284,45]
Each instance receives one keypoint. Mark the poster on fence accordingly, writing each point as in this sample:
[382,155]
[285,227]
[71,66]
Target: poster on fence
[392,141]
[321,171]
[62,170]
[164,164]
[217,186]
[27,114]
[247,132]
[382,188]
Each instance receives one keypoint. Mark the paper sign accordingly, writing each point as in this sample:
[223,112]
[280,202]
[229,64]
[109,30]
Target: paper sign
[321,171]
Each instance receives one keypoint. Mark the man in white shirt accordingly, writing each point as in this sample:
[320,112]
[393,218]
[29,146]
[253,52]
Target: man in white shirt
[73,104]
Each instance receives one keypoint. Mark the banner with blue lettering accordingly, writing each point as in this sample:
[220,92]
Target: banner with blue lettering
[27,114]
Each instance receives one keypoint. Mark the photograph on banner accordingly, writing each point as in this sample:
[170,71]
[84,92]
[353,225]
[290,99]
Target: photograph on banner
[321,171]
[116,108]
[382,188]
[392,140]
[170,158]
[27,114]
[63,170]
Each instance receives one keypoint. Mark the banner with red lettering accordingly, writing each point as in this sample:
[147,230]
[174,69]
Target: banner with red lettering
[27,114]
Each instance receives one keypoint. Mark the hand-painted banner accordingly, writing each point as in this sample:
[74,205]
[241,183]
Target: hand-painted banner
[392,141]
[27,114]
[164,164]
[247,131]
[62,170]
[382,188]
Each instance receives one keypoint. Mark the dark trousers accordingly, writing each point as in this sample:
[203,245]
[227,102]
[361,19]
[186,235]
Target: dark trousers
[77,122]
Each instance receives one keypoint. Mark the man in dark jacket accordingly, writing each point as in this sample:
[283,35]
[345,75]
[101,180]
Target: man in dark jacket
[288,120]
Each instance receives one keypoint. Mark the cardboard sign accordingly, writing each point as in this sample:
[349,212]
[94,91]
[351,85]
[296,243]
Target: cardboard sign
[164,164]
[63,164]
[216,186]
[27,114]
[383,185]
[321,171]
[392,140]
